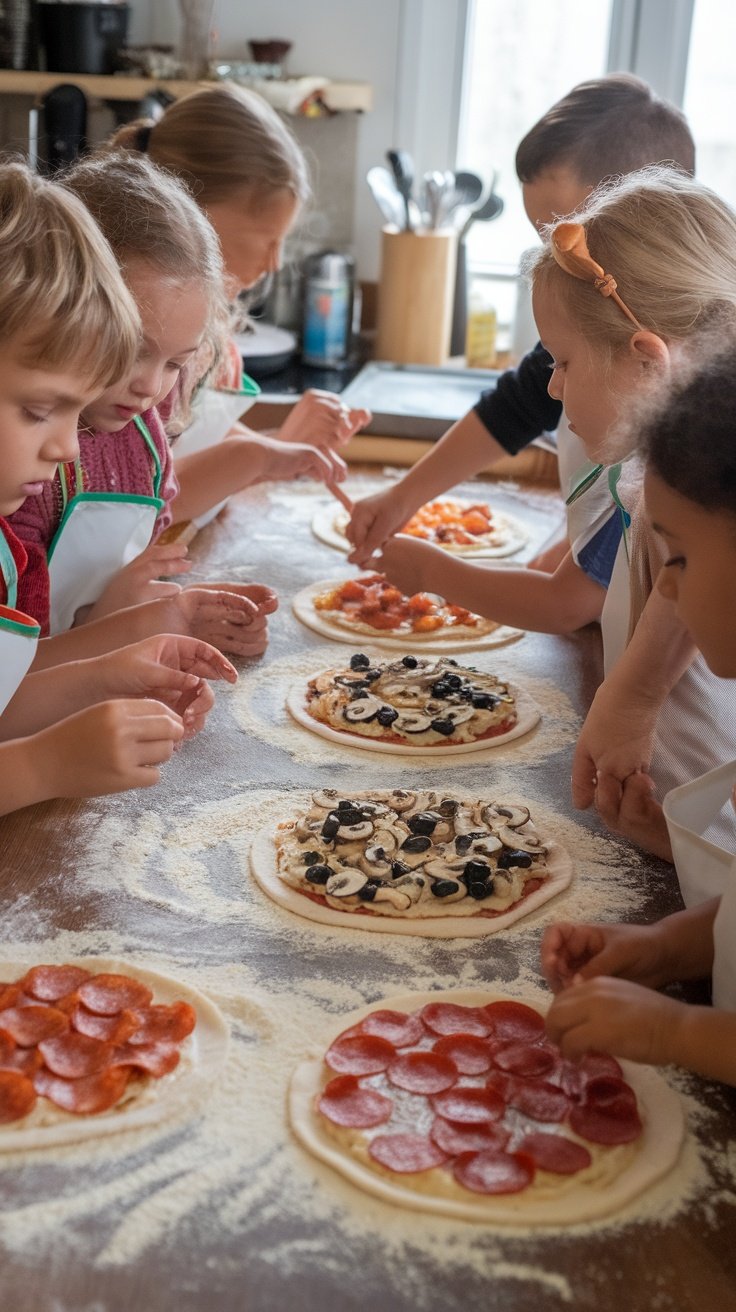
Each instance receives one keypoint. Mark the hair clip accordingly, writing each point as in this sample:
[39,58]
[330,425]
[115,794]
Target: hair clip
[570,250]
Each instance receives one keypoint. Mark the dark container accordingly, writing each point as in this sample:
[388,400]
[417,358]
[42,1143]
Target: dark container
[15,33]
[82,38]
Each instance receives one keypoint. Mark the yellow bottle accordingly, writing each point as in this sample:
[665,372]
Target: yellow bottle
[480,337]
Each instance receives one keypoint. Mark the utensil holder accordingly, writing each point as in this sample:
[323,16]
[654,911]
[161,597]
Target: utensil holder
[415,296]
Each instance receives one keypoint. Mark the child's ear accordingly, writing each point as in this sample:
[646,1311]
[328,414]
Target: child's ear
[649,348]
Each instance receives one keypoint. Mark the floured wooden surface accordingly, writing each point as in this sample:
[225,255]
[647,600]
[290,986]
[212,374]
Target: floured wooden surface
[228,1212]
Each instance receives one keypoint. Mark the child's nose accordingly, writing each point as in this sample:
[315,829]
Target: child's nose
[555,387]
[147,380]
[63,444]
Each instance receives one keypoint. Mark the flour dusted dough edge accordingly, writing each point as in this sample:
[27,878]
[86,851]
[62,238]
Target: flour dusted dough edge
[179,1094]
[327,518]
[263,862]
[303,607]
[659,1146]
[527,712]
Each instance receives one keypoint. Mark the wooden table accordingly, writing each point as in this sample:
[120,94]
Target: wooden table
[237,1234]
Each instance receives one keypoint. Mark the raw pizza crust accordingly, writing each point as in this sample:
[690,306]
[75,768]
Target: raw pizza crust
[455,639]
[527,711]
[329,524]
[568,1202]
[264,866]
[180,1093]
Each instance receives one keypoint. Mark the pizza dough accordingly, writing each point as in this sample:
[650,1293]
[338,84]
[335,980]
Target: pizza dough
[617,1176]
[510,536]
[443,640]
[277,871]
[437,706]
[146,1101]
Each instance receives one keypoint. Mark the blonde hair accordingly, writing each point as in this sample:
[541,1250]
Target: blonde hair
[223,141]
[148,216]
[62,297]
[670,244]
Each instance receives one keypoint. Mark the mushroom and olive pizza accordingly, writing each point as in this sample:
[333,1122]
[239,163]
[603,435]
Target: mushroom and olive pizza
[410,861]
[412,704]
[370,606]
[465,528]
[92,1047]
[456,1103]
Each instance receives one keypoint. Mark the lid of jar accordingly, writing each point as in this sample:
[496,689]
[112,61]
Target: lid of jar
[329,264]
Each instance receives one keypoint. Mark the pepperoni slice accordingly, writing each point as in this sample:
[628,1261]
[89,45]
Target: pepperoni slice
[540,1100]
[469,1104]
[454,1138]
[524,1059]
[7,1045]
[17,1096]
[74,1055]
[360,1054]
[576,1074]
[601,1127]
[155,1059]
[50,983]
[9,994]
[611,1095]
[165,1024]
[555,1153]
[494,1172]
[111,1029]
[394,1026]
[25,1060]
[422,1072]
[451,1018]
[470,1054]
[87,1096]
[406,1153]
[109,994]
[345,1102]
[29,1025]
[513,1021]
[502,1084]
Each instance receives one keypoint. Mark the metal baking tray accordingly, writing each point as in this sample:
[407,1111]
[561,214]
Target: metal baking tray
[411,400]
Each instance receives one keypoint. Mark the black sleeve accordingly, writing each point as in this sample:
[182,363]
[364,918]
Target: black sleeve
[519,408]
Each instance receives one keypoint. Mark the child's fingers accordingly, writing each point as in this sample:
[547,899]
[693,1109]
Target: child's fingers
[608,797]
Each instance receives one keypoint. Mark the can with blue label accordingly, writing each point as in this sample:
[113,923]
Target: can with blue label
[328,308]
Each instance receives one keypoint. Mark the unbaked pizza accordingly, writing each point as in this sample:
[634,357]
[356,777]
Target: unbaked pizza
[82,1042]
[371,606]
[410,861]
[464,528]
[458,1103]
[411,704]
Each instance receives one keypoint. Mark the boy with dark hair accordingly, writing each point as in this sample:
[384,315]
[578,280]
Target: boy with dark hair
[608,126]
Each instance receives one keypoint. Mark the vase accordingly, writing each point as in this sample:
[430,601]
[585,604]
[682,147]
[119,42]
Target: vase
[194,44]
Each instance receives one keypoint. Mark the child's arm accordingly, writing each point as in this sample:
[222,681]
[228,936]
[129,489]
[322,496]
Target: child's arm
[104,749]
[618,735]
[229,616]
[527,599]
[209,476]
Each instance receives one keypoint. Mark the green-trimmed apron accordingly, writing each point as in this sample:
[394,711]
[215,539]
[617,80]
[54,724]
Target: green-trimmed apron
[19,633]
[616,611]
[99,533]
[214,411]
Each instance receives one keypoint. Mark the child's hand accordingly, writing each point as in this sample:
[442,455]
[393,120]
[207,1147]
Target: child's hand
[172,669]
[412,565]
[107,748]
[616,1016]
[629,808]
[375,519]
[140,581]
[634,952]
[265,599]
[321,419]
[282,460]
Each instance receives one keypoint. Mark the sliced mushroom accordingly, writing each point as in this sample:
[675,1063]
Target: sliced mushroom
[460,714]
[355,833]
[323,682]
[497,814]
[399,900]
[346,883]
[465,822]
[326,798]
[415,887]
[487,845]
[401,799]
[522,842]
[388,839]
[412,722]
[362,710]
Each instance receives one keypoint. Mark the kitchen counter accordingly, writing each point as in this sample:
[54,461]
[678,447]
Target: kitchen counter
[226,1211]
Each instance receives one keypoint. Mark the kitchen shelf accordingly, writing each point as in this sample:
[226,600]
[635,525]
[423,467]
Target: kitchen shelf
[338,96]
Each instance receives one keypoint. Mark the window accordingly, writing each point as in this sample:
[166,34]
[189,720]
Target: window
[710,94]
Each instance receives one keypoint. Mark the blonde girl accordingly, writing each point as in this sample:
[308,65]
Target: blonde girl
[68,327]
[249,176]
[669,244]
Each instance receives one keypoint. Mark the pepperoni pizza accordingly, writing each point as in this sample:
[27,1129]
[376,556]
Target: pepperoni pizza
[464,528]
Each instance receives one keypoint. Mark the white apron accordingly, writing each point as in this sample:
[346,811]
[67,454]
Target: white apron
[587,513]
[214,411]
[705,870]
[18,632]
[99,533]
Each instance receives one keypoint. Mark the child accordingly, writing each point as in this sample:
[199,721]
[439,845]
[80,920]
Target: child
[248,174]
[67,326]
[605,976]
[671,245]
[101,513]
[602,128]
